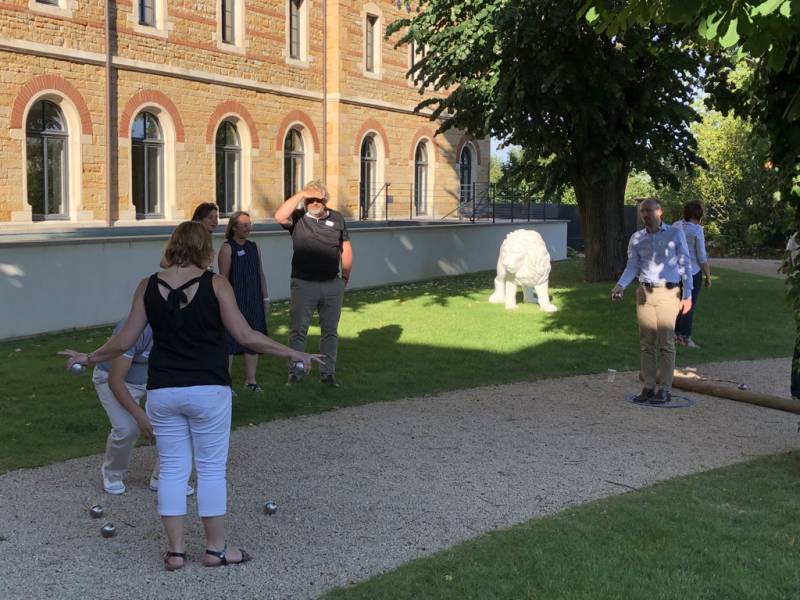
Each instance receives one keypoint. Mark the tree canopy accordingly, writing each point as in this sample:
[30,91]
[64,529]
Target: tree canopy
[589,107]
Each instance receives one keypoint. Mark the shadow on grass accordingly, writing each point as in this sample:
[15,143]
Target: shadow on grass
[401,341]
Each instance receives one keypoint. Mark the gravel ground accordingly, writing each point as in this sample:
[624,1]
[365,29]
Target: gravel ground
[362,490]
[757,266]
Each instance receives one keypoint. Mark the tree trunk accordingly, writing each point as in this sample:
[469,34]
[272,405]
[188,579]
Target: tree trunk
[601,196]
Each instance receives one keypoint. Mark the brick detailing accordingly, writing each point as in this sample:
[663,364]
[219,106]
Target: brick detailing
[57,84]
[371,125]
[231,107]
[475,148]
[144,97]
[423,132]
[296,116]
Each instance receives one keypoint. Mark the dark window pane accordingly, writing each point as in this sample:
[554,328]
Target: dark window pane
[294,28]
[35,174]
[153,131]
[147,12]
[231,137]
[370,42]
[219,181]
[55,176]
[227,21]
[154,178]
[137,131]
[138,176]
[231,180]
[53,121]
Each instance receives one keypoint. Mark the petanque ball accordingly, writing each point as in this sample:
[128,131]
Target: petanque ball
[108,530]
[299,368]
[270,508]
[96,511]
[77,369]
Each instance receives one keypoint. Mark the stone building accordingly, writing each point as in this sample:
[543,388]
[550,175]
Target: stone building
[134,111]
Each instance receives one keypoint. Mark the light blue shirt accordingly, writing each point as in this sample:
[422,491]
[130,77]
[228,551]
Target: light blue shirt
[658,258]
[696,240]
[139,355]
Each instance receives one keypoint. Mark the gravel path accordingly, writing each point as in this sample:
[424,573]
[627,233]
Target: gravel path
[362,490]
[757,266]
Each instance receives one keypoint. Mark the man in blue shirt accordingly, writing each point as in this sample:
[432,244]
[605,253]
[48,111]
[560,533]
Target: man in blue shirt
[658,257]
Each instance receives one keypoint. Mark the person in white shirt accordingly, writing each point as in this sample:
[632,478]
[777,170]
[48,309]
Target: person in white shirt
[695,238]
[658,256]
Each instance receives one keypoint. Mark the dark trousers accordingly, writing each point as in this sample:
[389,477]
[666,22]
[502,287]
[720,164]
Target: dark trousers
[325,298]
[683,324]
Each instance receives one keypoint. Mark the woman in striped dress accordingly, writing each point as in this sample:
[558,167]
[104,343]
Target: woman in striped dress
[239,262]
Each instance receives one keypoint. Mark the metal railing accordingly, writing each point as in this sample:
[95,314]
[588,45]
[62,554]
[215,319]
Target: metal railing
[475,202]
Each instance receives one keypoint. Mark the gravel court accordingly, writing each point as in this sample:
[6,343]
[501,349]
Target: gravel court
[362,490]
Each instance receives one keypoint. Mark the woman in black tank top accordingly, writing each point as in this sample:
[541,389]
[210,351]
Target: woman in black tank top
[189,396]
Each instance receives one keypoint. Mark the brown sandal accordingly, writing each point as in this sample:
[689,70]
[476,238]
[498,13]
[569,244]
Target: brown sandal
[224,559]
[169,554]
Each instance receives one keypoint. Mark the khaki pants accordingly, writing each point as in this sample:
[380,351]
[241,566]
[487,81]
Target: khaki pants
[124,430]
[656,311]
[324,297]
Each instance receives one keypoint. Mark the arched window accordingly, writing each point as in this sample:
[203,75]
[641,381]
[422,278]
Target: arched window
[147,144]
[421,179]
[294,159]
[367,191]
[465,164]
[46,160]
[229,167]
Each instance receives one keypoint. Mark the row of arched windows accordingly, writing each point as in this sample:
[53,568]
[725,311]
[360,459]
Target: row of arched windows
[47,169]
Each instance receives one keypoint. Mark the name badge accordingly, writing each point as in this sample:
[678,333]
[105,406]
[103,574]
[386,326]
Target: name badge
[329,223]
[240,252]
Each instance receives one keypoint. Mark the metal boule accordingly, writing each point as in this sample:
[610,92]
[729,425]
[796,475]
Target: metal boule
[77,369]
[270,507]
[96,511]
[743,386]
[299,368]
[108,530]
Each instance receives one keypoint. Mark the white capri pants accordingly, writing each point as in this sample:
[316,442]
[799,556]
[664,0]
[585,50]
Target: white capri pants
[186,418]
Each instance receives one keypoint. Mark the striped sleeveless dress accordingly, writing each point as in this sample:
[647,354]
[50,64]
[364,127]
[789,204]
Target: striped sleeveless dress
[245,279]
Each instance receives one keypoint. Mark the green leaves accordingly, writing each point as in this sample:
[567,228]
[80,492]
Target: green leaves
[767,7]
[731,36]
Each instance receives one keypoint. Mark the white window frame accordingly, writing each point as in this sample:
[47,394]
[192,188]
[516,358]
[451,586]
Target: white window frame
[74,171]
[303,60]
[160,28]
[238,45]
[54,8]
[372,10]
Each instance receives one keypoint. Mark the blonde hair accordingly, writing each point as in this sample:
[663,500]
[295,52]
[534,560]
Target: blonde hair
[189,244]
[233,221]
[317,184]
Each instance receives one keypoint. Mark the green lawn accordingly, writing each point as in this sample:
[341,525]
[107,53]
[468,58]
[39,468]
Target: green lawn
[721,535]
[401,341]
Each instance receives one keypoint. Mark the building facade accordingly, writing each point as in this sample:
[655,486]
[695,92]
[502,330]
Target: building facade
[134,111]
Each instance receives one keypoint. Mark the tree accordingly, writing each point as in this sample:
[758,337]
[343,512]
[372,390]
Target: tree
[767,33]
[532,74]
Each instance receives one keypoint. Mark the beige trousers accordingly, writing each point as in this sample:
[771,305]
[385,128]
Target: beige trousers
[656,311]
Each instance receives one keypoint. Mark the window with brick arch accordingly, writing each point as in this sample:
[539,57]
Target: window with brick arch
[228,168]
[294,158]
[147,166]
[46,139]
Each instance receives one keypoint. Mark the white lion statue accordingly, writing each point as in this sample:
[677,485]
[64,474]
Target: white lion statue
[524,262]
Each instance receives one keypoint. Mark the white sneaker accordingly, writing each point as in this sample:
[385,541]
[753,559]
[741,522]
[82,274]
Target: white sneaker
[689,343]
[113,487]
[154,486]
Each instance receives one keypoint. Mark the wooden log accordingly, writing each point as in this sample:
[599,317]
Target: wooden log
[710,388]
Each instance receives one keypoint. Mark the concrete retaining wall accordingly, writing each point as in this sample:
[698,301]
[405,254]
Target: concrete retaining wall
[56,284]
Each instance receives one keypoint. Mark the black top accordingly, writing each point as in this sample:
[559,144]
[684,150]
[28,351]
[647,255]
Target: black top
[188,343]
[317,245]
